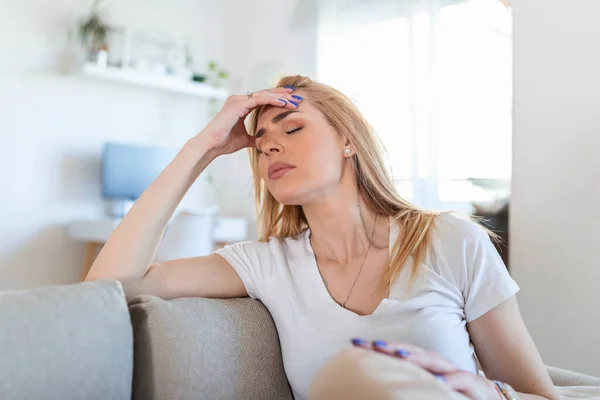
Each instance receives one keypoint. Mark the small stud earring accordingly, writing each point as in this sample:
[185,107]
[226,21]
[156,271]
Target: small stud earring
[347,152]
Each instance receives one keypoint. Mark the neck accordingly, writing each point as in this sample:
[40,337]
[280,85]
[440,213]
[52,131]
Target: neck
[342,226]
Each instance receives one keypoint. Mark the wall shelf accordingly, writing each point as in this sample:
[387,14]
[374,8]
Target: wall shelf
[153,81]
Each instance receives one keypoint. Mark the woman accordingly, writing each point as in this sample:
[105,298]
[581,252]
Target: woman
[340,254]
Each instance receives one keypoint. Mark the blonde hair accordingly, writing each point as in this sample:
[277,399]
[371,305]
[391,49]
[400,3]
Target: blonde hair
[375,183]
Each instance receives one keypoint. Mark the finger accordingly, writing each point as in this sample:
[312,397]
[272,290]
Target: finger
[395,348]
[280,89]
[274,99]
[359,342]
[431,362]
[471,385]
[287,95]
[459,381]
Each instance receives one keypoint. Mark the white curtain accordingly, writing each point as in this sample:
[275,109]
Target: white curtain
[434,78]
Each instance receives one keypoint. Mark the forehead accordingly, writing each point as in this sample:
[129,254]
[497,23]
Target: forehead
[268,112]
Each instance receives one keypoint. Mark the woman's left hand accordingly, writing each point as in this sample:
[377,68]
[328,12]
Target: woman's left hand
[473,386]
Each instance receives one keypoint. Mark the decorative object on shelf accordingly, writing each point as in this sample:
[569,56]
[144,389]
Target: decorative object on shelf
[152,51]
[117,47]
[216,76]
[93,32]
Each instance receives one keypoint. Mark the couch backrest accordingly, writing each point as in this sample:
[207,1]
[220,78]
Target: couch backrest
[197,348]
[66,342]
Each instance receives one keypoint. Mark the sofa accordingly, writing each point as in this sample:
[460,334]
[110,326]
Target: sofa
[84,341]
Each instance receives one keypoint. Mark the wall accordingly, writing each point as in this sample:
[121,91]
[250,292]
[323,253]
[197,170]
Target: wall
[264,40]
[555,206]
[53,125]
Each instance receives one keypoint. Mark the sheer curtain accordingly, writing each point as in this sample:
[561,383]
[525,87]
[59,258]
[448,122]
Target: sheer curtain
[434,78]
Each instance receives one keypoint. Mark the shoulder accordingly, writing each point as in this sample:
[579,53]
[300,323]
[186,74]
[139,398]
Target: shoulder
[451,227]
[457,242]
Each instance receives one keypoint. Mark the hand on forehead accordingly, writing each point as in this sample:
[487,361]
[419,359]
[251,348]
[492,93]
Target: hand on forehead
[268,112]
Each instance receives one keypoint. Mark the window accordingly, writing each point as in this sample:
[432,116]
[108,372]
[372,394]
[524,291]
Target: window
[436,85]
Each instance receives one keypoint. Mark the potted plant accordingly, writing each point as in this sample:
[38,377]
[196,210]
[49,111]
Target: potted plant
[93,32]
[217,75]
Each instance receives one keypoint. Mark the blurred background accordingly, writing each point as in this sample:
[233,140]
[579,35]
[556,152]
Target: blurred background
[485,106]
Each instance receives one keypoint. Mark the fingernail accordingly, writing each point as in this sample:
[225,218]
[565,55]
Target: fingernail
[297,97]
[379,343]
[441,378]
[294,103]
[284,101]
[402,353]
[289,87]
[358,342]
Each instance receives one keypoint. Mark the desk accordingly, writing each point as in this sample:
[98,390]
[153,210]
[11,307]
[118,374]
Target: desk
[94,232]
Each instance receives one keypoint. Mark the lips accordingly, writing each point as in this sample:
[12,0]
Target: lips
[279,169]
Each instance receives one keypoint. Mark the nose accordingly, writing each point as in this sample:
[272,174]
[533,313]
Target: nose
[270,147]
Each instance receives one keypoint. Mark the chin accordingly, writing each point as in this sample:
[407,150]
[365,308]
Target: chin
[288,196]
[288,191]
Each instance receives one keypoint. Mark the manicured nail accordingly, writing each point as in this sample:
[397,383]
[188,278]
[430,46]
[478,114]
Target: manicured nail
[440,378]
[297,97]
[359,342]
[294,103]
[379,343]
[284,101]
[289,87]
[402,353]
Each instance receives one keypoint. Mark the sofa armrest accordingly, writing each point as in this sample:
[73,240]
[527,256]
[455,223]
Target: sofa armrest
[563,377]
[66,342]
[192,348]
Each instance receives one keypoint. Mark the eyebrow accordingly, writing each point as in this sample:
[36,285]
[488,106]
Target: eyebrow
[275,120]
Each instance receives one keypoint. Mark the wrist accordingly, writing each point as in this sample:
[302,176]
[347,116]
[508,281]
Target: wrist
[505,390]
[201,146]
[498,391]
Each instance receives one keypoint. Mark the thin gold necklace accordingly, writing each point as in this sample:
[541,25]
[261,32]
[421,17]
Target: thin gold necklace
[357,275]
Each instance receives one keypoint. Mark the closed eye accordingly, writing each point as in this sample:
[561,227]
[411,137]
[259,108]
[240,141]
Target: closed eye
[287,132]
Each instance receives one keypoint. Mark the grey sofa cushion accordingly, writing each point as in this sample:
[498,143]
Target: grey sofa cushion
[66,342]
[196,348]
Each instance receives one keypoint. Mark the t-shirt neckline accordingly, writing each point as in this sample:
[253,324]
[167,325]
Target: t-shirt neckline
[322,289]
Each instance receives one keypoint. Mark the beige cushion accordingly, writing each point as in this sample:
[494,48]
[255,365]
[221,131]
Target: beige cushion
[196,348]
[563,377]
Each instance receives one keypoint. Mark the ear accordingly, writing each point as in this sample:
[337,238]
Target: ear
[348,149]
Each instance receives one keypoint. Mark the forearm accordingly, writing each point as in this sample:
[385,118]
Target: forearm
[132,246]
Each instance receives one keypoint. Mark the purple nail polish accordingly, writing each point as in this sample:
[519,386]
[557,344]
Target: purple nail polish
[379,343]
[284,100]
[289,87]
[402,353]
[297,97]
[358,342]
[294,103]
[441,378]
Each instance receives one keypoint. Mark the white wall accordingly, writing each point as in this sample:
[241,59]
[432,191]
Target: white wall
[53,126]
[555,206]
[264,40]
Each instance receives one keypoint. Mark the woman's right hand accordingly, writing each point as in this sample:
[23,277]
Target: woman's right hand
[226,132]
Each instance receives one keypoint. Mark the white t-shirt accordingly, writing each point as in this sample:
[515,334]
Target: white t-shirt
[462,281]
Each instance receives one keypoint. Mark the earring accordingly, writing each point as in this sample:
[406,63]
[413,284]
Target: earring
[347,152]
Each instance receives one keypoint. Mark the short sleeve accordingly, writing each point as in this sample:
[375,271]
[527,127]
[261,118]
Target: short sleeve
[246,259]
[480,272]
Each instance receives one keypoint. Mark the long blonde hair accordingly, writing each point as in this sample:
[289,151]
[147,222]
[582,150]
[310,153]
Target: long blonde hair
[375,183]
